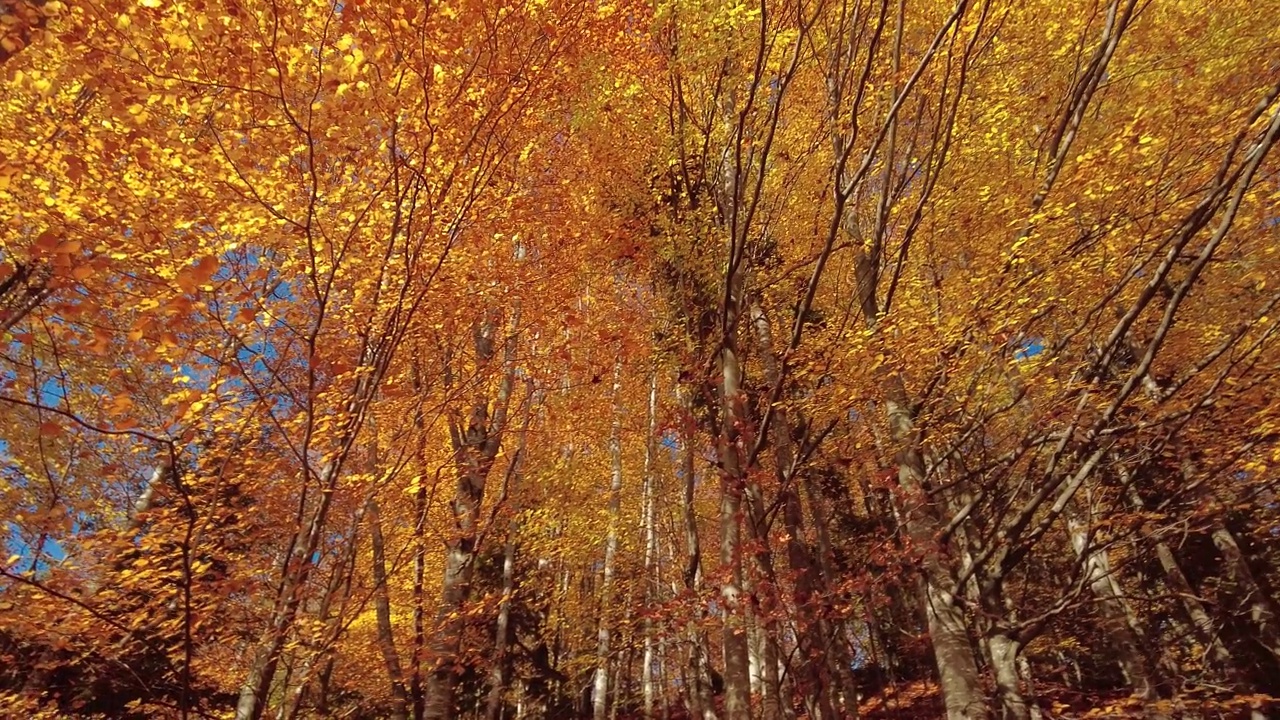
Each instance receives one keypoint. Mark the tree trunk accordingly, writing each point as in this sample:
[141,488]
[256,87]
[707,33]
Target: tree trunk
[338,589]
[1004,663]
[475,447]
[1118,616]
[295,570]
[1260,606]
[762,589]
[419,600]
[382,607]
[499,674]
[948,627]
[701,704]
[444,645]
[419,553]
[650,550]
[737,681]
[812,680]
[600,694]
[840,658]
[1201,623]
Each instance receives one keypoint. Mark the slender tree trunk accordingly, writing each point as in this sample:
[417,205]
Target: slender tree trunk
[737,680]
[1004,663]
[296,569]
[650,550]
[455,587]
[664,677]
[338,590]
[600,694]
[701,703]
[419,601]
[419,553]
[1202,624]
[499,673]
[382,608]
[761,588]
[948,627]
[840,657]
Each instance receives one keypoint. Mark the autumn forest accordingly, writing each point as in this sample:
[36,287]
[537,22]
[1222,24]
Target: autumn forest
[640,359]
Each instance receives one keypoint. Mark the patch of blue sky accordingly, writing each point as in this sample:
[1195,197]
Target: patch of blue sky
[1028,348]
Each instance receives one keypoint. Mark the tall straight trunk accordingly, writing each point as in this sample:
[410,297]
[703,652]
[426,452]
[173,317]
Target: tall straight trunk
[600,694]
[325,677]
[663,677]
[702,701]
[962,690]
[755,651]
[762,589]
[498,672]
[1012,669]
[737,681]
[455,587]
[624,664]
[1024,669]
[650,549]
[419,600]
[812,679]
[840,657]
[647,674]
[419,552]
[701,704]
[382,609]
[1004,651]
[300,557]
[1201,622]
[766,659]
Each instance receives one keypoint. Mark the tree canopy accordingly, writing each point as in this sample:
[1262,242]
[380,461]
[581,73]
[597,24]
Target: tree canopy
[670,359]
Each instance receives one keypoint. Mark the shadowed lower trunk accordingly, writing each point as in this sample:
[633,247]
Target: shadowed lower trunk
[382,608]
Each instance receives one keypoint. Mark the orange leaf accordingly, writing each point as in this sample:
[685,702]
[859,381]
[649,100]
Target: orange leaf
[204,270]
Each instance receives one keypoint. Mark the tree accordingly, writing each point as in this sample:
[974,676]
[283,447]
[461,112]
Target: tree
[821,358]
